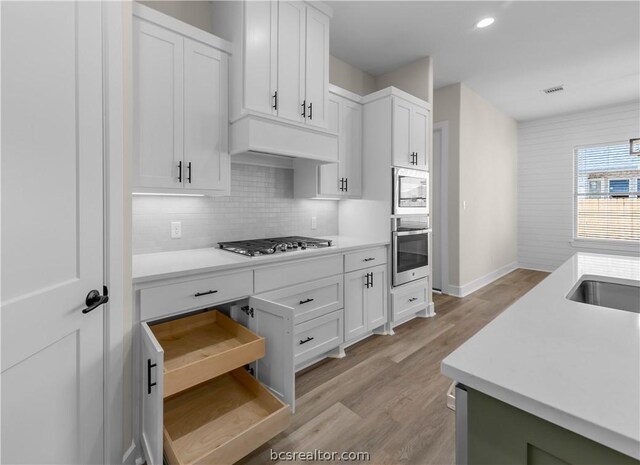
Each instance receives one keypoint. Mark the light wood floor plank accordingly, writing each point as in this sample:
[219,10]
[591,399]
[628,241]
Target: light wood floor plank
[387,397]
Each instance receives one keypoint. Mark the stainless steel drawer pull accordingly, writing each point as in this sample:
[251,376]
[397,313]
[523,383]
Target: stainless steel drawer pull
[200,294]
[368,259]
[413,299]
[306,301]
[306,340]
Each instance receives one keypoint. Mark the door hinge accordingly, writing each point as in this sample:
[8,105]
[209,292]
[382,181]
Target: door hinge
[248,310]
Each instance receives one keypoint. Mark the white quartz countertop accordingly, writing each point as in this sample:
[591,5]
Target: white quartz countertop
[164,265]
[573,364]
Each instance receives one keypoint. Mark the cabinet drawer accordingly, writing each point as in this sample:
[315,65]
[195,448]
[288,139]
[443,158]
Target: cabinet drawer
[365,259]
[221,421]
[300,271]
[409,299]
[317,336]
[203,346]
[160,301]
[310,300]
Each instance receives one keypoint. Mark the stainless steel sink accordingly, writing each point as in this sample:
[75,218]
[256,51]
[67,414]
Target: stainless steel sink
[605,294]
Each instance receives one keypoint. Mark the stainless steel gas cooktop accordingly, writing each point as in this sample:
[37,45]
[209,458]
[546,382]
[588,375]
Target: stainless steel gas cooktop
[256,247]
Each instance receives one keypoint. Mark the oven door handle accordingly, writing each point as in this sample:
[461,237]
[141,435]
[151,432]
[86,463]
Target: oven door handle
[412,233]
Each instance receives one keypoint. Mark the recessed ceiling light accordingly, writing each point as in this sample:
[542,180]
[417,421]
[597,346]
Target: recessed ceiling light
[484,22]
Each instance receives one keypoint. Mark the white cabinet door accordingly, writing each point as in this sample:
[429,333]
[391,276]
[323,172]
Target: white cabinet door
[261,55]
[330,173]
[317,67]
[274,322]
[206,155]
[158,106]
[355,311]
[291,45]
[350,146]
[376,297]
[52,232]
[152,390]
[402,133]
[419,135]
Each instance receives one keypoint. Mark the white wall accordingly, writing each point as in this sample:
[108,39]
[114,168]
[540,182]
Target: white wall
[347,76]
[196,13]
[415,78]
[545,179]
[482,188]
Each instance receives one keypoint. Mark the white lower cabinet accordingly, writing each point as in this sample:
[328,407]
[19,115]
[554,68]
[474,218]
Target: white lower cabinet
[365,301]
[197,399]
[300,324]
[409,299]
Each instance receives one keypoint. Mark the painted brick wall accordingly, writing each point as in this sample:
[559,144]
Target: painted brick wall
[261,205]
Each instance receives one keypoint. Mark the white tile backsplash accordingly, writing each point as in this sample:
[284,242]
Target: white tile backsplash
[261,204]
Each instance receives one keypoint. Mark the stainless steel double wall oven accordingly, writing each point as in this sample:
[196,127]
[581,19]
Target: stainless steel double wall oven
[410,229]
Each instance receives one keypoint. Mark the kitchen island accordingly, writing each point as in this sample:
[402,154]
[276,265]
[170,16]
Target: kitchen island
[568,364]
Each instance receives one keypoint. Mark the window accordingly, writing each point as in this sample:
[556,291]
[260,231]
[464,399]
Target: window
[607,192]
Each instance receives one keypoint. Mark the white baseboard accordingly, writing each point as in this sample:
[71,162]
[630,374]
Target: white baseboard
[129,457]
[466,289]
[547,269]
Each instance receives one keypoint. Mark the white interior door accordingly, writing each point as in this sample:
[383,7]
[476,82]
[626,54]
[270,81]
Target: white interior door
[206,154]
[291,42]
[317,67]
[52,232]
[158,106]
[439,174]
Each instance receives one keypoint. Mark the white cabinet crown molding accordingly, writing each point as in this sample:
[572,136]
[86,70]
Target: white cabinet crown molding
[175,25]
[395,92]
[344,93]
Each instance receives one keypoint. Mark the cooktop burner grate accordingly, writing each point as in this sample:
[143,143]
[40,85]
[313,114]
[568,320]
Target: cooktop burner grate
[256,247]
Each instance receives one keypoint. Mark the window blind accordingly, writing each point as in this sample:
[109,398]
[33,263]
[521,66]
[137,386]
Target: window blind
[607,201]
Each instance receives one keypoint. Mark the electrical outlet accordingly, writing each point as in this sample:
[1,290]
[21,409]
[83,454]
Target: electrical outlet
[314,222]
[176,230]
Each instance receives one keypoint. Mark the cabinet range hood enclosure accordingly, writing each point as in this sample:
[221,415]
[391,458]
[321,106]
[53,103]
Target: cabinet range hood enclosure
[260,133]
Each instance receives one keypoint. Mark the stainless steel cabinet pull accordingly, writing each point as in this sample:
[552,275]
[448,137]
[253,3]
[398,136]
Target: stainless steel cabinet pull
[306,301]
[306,340]
[199,294]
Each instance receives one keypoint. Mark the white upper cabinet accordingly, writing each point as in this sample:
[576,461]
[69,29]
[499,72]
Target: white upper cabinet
[317,67]
[279,77]
[344,178]
[158,82]
[410,136]
[291,60]
[180,107]
[205,117]
[261,51]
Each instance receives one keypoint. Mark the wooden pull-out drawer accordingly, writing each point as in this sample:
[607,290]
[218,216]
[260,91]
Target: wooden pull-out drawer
[221,421]
[203,346]
[408,299]
[365,259]
[160,301]
[310,300]
[317,336]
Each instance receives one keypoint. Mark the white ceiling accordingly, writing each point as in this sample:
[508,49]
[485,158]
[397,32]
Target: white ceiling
[591,47]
